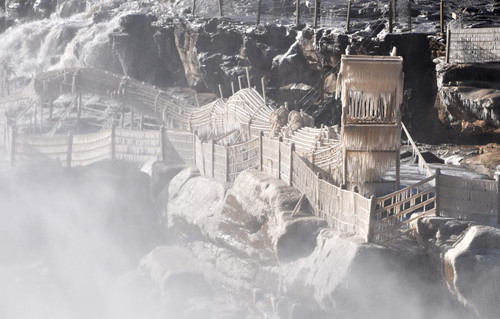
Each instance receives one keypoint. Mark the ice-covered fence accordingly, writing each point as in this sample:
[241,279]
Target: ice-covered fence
[243,156]
[178,147]
[38,150]
[137,146]
[90,148]
[470,199]
[478,45]
[344,210]
[271,157]
[393,213]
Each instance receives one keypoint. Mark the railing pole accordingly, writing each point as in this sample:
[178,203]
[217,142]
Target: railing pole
[297,12]
[13,147]
[398,168]
[390,17]
[261,159]
[70,149]
[280,140]
[409,15]
[347,27]
[239,81]
[78,112]
[263,83]
[113,140]
[318,178]
[232,87]
[248,77]
[292,149]
[163,141]
[371,226]
[141,122]
[258,11]
[213,158]
[394,11]
[51,108]
[497,178]
[131,119]
[194,147]
[448,44]
[436,183]
[316,12]
[220,91]
[194,8]
[441,16]
[227,164]
[220,8]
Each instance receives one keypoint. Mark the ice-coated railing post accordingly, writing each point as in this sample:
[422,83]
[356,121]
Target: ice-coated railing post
[292,149]
[497,178]
[13,147]
[280,140]
[78,112]
[348,22]
[316,13]
[263,83]
[232,87]
[372,221]
[220,8]
[220,91]
[390,16]
[297,12]
[261,159]
[441,16]
[195,133]
[163,143]
[239,81]
[213,158]
[436,183]
[248,76]
[448,45]
[227,163]
[70,149]
[113,140]
[258,11]
[141,122]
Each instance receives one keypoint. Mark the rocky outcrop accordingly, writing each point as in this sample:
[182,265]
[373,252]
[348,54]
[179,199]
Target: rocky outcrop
[469,97]
[469,256]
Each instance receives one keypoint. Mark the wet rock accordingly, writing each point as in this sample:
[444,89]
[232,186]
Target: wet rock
[470,259]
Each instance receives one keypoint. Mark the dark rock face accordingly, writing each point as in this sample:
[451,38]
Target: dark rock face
[469,97]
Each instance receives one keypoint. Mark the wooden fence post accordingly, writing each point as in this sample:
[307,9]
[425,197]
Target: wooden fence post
[78,112]
[497,178]
[239,81]
[194,7]
[263,83]
[13,147]
[372,221]
[131,119]
[436,183]
[51,108]
[248,76]
[220,91]
[163,142]
[70,149]
[390,16]
[213,158]
[220,8]
[292,149]
[448,45]
[316,12]
[258,11]
[227,163]
[297,12]
[194,147]
[441,16]
[409,15]
[261,158]
[347,27]
[280,140]
[318,193]
[113,140]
